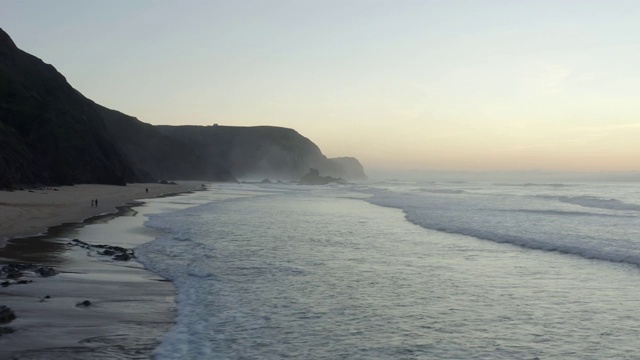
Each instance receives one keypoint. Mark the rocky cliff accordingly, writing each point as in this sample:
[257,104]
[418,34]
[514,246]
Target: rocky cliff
[263,151]
[49,132]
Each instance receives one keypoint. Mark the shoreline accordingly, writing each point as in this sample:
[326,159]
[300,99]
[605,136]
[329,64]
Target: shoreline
[28,213]
[131,307]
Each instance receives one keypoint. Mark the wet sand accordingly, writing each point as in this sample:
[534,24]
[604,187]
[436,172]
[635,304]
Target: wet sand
[130,307]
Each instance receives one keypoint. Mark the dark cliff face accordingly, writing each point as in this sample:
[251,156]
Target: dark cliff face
[49,132]
[251,152]
[162,156]
[261,151]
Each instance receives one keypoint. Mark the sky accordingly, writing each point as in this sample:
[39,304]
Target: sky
[445,85]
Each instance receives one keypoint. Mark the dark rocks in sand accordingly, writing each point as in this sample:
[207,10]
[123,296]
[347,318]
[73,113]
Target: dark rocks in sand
[116,252]
[122,257]
[85,303]
[6,315]
[45,271]
[16,271]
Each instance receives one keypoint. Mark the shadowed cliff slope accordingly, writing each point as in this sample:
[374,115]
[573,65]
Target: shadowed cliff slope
[163,156]
[49,132]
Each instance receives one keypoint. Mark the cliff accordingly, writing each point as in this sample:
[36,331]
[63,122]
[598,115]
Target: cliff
[162,156]
[263,151]
[49,132]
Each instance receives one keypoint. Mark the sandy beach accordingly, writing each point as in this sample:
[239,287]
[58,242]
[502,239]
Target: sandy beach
[31,212]
[130,307]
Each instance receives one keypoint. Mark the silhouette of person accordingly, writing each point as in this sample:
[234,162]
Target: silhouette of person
[96,202]
[147,190]
[91,202]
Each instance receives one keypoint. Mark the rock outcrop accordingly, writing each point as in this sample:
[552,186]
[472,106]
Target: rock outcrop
[313,177]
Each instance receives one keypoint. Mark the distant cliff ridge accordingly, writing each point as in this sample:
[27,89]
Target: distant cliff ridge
[52,134]
[263,151]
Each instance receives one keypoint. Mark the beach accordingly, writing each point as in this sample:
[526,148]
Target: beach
[94,306]
[32,211]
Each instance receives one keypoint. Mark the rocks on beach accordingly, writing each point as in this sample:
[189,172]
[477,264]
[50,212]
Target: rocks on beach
[6,316]
[11,273]
[115,252]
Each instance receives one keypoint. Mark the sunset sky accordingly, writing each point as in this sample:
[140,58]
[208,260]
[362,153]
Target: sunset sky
[432,85]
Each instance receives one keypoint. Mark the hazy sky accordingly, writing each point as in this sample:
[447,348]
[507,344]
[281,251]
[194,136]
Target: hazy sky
[441,85]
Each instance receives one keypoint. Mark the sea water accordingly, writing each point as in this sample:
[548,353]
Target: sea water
[403,270]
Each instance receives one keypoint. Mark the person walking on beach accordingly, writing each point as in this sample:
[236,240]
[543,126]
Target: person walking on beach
[147,190]
[91,202]
[96,201]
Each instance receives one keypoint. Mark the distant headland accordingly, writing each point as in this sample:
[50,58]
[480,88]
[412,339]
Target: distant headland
[50,134]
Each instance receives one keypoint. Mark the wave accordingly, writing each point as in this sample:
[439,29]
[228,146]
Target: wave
[596,202]
[564,213]
[598,236]
[443,191]
[552,185]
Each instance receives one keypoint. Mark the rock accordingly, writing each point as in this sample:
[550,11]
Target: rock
[313,178]
[15,271]
[122,257]
[85,303]
[45,271]
[6,330]
[6,315]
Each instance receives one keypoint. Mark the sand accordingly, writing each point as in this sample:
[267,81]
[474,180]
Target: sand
[131,308]
[31,212]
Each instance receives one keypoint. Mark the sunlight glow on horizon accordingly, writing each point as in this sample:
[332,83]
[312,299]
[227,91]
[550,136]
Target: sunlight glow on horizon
[439,85]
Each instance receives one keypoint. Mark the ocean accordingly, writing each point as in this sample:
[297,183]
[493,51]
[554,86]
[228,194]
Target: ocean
[402,270]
